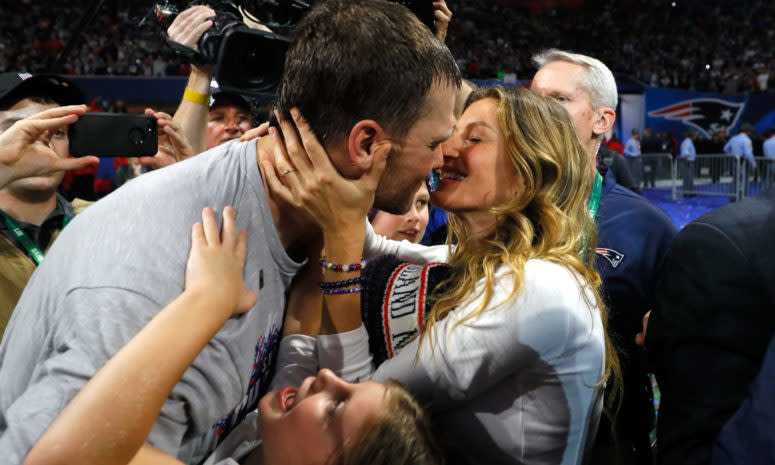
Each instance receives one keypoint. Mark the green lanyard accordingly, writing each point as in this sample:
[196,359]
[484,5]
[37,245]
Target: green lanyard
[22,236]
[594,200]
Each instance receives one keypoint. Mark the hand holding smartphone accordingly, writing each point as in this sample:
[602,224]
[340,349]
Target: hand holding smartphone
[113,135]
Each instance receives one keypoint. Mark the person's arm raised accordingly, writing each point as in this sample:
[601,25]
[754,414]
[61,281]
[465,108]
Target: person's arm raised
[312,183]
[25,150]
[443,16]
[192,113]
[109,420]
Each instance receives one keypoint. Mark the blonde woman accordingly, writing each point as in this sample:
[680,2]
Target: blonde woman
[513,354]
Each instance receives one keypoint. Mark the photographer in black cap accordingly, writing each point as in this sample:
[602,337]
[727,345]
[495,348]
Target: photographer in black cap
[31,211]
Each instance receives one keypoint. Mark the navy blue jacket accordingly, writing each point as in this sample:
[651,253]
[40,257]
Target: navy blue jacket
[634,236]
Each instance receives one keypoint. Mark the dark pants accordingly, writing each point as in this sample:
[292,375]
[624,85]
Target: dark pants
[769,170]
[635,164]
[688,175]
[716,166]
[650,172]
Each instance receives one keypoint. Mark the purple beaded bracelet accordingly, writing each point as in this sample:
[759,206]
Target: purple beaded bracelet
[341,291]
[345,268]
[339,284]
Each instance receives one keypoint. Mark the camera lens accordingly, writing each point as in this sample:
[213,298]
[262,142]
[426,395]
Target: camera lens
[136,135]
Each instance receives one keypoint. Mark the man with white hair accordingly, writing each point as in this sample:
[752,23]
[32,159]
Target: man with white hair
[633,237]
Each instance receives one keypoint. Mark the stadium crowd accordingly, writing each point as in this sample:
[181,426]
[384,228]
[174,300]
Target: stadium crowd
[656,42]
[112,43]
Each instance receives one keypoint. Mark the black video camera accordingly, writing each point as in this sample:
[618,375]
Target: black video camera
[246,61]
[423,9]
[250,61]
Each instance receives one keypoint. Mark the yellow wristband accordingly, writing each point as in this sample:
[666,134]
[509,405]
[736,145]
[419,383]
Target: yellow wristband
[196,97]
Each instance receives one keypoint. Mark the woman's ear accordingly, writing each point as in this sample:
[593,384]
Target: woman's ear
[364,140]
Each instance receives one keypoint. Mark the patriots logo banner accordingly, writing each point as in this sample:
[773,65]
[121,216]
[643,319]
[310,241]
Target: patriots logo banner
[678,111]
[706,115]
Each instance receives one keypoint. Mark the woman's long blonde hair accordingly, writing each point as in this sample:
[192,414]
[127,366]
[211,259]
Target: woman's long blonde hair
[550,220]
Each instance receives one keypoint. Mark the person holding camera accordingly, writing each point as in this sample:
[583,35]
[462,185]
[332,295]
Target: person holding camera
[88,301]
[207,121]
[18,143]
[32,213]
[210,119]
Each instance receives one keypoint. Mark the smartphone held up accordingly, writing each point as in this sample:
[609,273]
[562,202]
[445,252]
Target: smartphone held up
[114,135]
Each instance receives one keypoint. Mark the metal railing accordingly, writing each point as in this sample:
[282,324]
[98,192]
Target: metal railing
[710,174]
[761,177]
[657,170]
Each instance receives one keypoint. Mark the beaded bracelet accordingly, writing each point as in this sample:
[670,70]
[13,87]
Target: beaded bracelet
[345,268]
[339,284]
[341,291]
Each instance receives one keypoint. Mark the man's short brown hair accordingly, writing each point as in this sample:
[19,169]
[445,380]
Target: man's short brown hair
[362,59]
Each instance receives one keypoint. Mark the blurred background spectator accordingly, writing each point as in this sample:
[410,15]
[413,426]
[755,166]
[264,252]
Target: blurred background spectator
[675,44]
[703,45]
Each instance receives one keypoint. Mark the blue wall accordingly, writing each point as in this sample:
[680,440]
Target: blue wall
[133,89]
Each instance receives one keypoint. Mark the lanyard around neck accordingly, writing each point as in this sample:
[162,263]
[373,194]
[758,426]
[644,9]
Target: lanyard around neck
[594,200]
[21,236]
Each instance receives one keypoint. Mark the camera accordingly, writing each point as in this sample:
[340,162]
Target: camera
[250,61]
[246,61]
[423,9]
[113,135]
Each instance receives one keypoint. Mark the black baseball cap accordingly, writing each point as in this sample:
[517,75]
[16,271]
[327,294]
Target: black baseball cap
[230,98]
[18,86]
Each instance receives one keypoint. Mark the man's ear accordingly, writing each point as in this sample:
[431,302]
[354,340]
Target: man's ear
[605,121]
[365,137]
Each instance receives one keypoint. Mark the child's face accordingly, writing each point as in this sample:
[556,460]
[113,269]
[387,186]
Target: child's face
[409,226]
[308,425]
